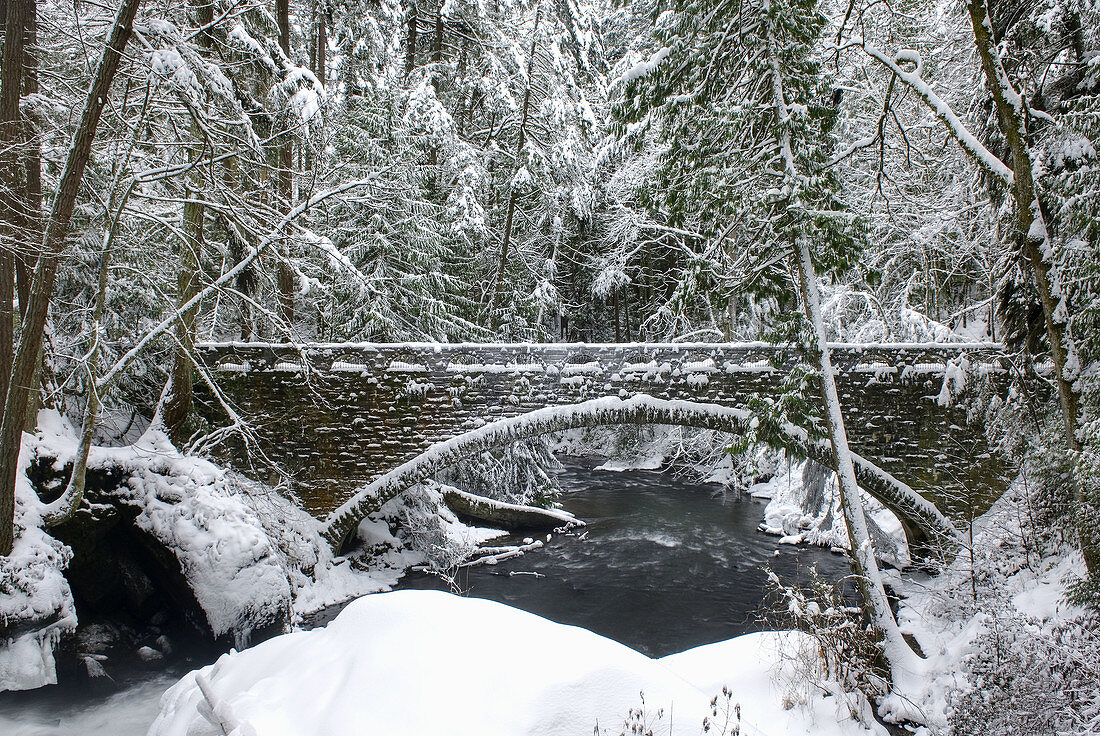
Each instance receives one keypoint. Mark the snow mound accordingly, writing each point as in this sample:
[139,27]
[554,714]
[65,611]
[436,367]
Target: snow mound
[773,677]
[421,662]
[226,555]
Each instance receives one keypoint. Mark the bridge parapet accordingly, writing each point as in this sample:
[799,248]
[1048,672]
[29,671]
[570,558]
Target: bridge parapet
[633,358]
[338,415]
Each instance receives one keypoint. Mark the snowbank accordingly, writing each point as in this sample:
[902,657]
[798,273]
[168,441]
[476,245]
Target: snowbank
[988,617]
[804,508]
[772,676]
[36,605]
[424,662]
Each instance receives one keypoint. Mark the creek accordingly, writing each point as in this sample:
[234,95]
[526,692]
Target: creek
[664,564]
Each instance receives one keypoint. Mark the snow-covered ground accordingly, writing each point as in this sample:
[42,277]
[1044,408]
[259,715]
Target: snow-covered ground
[998,631]
[420,662]
[415,662]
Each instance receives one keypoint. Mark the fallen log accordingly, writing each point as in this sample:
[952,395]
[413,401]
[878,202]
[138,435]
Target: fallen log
[513,517]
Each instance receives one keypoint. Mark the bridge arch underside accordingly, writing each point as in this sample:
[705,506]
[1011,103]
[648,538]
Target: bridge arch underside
[927,530]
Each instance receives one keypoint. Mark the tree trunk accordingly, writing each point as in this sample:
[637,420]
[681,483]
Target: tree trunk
[45,273]
[626,313]
[176,407]
[25,259]
[615,309]
[7,317]
[437,41]
[410,41]
[1030,224]
[1032,230]
[898,654]
[284,277]
[513,195]
[864,564]
[464,103]
[12,180]
[177,403]
[282,20]
[320,54]
[62,509]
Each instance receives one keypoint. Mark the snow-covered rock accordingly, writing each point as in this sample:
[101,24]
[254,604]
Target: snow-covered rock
[187,504]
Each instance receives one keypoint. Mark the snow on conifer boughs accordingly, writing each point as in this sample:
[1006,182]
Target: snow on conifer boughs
[708,98]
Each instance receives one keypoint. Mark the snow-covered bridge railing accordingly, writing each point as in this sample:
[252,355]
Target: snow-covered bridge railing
[924,524]
[337,416]
[632,360]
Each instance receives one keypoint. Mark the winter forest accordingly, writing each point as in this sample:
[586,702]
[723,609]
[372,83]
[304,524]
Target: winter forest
[550,367]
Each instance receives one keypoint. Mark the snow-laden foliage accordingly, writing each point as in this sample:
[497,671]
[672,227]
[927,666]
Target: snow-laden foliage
[1009,653]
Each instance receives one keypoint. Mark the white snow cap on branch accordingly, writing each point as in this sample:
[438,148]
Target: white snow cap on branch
[910,56]
[641,69]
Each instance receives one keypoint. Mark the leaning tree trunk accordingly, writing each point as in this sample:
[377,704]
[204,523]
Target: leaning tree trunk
[898,654]
[1031,228]
[865,566]
[1030,225]
[62,509]
[45,273]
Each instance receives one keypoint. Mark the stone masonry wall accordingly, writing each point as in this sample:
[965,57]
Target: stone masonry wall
[336,416]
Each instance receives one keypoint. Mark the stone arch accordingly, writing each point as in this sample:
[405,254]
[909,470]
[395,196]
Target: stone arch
[925,526]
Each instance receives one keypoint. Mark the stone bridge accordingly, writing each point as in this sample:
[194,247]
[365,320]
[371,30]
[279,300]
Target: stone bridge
[337,416]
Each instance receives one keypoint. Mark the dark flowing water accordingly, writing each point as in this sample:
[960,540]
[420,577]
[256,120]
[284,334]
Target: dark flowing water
[665,564]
